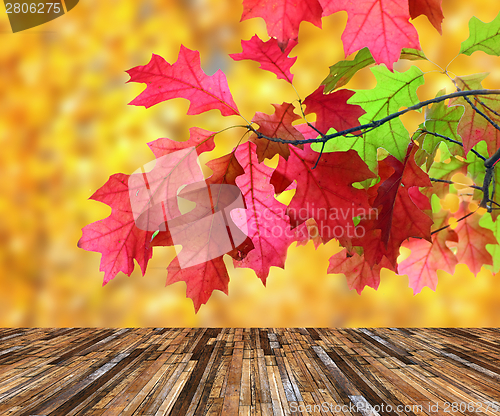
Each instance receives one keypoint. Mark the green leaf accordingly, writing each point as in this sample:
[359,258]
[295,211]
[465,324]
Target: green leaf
[412,55]
[342,72]
[439,118]
[475,164]
[444,170]
[393,91]
[494,249]
[482,37]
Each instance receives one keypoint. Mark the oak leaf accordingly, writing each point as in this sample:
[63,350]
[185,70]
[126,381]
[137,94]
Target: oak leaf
[185,79]
[324,193]
[381,25]
[269,55]
[283,17]
[278,125]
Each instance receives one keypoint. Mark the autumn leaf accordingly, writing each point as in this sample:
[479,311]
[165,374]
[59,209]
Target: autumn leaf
[358,272]
[482,37]
[381,25]
[332,110]
[277,125]
[325,193]
[400,210]
[225,170]
[473,127]
[185,79]
[269,55]
[265,218]
[429,8]
[201,279]
[283,17]
[200,141]
[308,231]
[472,240]
[117,237]
[428,257]
[494,249]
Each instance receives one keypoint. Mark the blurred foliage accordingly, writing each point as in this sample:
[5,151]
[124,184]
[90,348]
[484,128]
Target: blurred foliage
[65,128]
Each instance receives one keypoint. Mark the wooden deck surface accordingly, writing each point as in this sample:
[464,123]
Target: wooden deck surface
[196,371]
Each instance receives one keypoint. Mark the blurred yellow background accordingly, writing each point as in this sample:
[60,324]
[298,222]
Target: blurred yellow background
[65,127]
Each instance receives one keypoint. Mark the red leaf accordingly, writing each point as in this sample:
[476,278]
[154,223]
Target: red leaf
[201,279]
[199,139]
[430,8]
[267,224]
[283,17]
[308,231]
[472,240]
[278,125]
[202,140]
[332,110]
[400,209]
[358,272]
[185,79]
[117,237]
[225,170]
[381,25]
[269,55]
[427,257]
[325,193]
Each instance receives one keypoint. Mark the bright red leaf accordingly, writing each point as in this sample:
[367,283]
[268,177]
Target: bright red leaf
[381,25]
[358,272]
[325,193]
[269,55]
[201,279]
[185,79]
[430,8]
[277,125]
[332,110]
[117,237]
[400,209]
[283,17]
[267,224]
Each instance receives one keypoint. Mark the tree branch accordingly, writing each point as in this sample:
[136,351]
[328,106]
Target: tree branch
[378,123]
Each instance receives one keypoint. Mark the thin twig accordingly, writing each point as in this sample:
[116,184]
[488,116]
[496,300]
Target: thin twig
[460,219]
[454,183]
[479,155]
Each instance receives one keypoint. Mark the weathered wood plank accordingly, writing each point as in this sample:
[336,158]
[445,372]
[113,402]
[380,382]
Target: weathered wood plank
[250,372]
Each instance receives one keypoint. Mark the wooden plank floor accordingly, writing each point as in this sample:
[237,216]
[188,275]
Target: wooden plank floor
[254,372]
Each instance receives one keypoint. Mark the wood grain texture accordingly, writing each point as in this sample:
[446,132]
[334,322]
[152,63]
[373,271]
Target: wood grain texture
[250,371]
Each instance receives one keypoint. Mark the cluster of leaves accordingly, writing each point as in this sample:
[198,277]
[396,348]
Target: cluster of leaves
[356,172]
